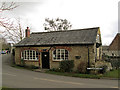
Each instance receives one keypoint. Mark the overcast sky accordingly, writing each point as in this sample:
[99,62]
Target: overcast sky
[81,14]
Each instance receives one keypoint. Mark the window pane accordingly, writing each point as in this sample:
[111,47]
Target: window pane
[58,51]
[37,54]
[62,51]
[66,56]
[30,54]
[62,57]
[58,56]
[33,54]
[25,55]
[54,58]
[66,52]
[54,52]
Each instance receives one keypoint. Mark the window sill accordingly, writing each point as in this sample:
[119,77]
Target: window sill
[32,60]
[57,60]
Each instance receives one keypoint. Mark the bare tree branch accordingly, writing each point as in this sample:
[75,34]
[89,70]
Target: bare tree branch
[8,6]
[12,28]
[14,31]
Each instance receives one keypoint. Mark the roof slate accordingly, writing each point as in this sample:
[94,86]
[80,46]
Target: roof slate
[79,36]
[105,48]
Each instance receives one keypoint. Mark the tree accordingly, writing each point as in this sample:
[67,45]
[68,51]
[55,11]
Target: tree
[12,27]
[7,6]
[13,31]
[57,24]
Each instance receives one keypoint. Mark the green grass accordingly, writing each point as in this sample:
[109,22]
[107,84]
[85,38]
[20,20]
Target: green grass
[75,74]
[111,74]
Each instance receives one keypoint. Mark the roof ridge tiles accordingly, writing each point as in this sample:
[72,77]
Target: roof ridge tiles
[66,30]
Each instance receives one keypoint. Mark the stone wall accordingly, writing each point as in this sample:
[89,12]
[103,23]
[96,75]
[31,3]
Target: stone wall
[101,63]
[75,51]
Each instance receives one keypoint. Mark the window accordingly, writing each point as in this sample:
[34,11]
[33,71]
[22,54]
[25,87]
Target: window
[60,54]
[29,55]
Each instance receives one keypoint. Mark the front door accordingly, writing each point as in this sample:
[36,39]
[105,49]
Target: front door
[45,60]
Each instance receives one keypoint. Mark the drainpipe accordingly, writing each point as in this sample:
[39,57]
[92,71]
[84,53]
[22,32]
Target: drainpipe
[88,59]
[39,59]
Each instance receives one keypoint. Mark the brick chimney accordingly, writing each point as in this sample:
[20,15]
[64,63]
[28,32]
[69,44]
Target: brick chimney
[27,32]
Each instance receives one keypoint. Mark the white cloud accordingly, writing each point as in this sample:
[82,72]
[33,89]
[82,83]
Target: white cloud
[81,13]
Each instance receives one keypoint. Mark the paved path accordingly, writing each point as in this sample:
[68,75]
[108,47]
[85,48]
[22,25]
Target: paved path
[20,78]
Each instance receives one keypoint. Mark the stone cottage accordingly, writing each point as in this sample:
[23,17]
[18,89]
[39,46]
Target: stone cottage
[47,49]
[114,48]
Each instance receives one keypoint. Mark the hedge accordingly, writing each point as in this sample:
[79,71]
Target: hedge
[66,65]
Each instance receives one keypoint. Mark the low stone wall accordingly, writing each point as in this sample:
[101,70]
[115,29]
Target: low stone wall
[101,63]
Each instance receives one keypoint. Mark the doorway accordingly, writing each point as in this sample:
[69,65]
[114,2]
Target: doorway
[45,60]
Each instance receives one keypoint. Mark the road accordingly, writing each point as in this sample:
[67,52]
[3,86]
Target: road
[20,78]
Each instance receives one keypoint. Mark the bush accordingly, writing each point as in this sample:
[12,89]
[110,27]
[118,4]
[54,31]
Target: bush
[82,67]
[66,65]
[103,70]
[115,63]
[22,62]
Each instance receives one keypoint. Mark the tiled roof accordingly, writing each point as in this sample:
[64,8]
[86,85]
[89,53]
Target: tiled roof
[105,48]
[79,36]
[115,44]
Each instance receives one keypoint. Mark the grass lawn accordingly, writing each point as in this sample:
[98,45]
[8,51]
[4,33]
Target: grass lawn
[110,74]
[75,75]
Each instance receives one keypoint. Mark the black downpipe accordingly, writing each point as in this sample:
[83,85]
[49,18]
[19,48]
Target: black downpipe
[88,61]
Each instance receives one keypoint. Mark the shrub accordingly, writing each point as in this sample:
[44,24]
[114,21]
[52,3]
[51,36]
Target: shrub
[22,62]
[66,65]
[115,63]
[82,67]
[103,70]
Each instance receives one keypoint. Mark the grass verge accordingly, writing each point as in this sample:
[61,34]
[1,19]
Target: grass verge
[75,75]
[110,74]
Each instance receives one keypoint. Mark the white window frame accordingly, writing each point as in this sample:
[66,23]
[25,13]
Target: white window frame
[60,55]
[28,52]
